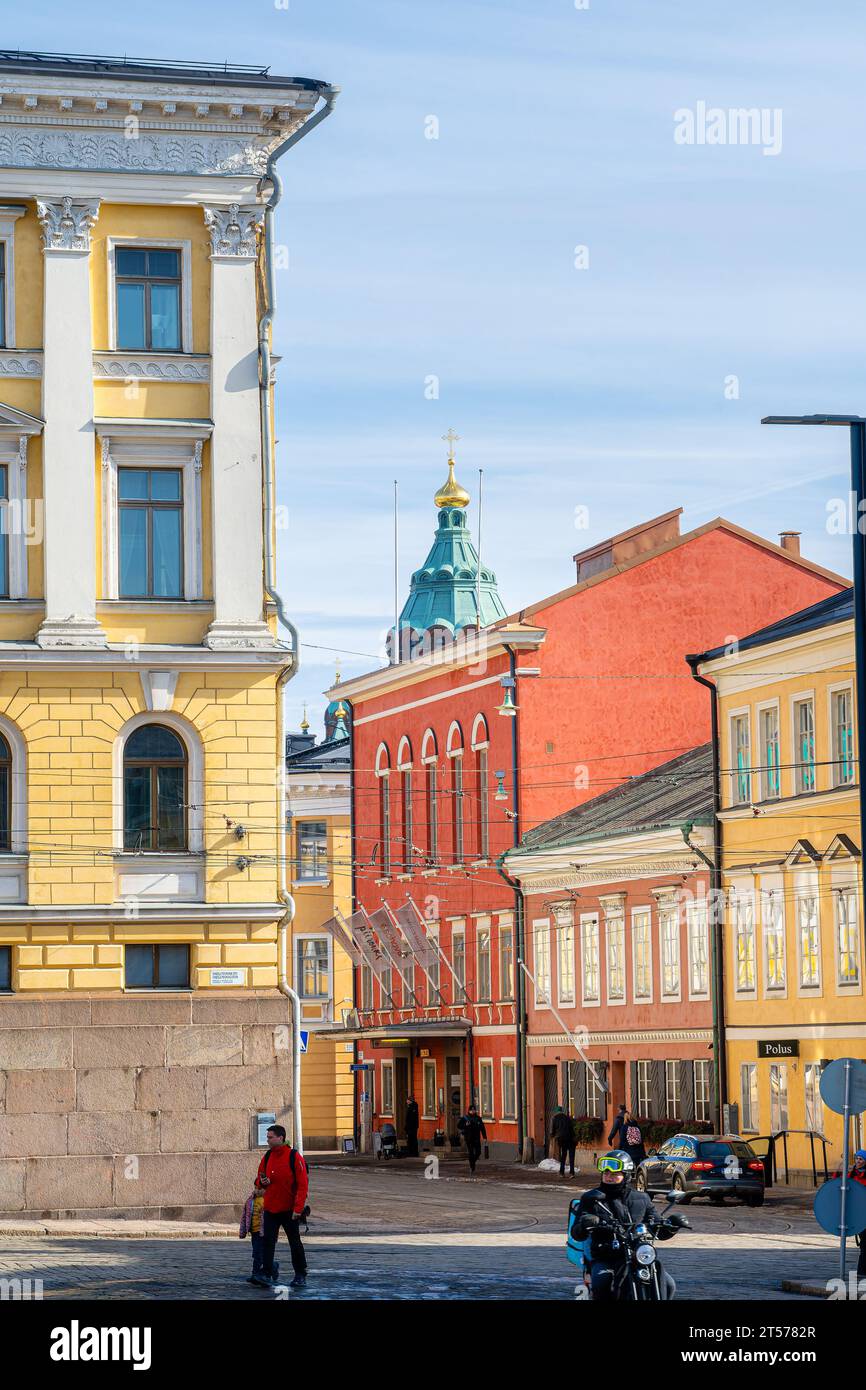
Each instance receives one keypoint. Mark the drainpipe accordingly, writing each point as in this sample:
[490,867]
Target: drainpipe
[717,915]
[353,858]
[330,96]
[519,979]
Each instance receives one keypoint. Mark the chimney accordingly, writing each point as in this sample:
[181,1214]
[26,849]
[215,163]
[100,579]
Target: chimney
[641,540]
[790,541]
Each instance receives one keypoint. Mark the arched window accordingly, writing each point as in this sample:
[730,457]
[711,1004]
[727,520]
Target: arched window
[154,790]
[383,772]
[480,745]
[428,758]
[454,750]
[5,796]
[404,765]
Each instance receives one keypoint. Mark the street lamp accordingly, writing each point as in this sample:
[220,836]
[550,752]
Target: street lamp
[857,426]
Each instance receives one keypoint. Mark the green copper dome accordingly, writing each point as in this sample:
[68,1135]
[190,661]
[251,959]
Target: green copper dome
[444,592]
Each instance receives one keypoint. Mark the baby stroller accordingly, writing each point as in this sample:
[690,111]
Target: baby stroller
[388,1136]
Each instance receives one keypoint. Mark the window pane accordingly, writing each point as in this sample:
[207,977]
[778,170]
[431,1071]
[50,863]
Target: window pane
[163,263]
[130,316]
[132,483]
[165,317]
[139,967]
[153,741]
[136,808]
[173,967]
[165,485]
[171,813]
[4,481]
[4,807]
[133,552]
[129,261]
[5,967]
[4,563]
[167,553]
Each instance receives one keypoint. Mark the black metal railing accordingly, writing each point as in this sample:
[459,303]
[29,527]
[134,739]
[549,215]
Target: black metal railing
[780,1139]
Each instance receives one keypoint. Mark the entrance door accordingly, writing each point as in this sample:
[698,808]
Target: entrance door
[401,1091]
[453,1097]
[550,1104]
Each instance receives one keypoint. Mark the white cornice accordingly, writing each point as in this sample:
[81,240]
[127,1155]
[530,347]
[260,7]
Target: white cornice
[610,1039]
[148,366]
[148,912]
[24,655]
[820,649]
[454,656]
[645,854]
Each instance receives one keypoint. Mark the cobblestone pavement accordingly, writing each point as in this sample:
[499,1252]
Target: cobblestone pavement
[382,1234]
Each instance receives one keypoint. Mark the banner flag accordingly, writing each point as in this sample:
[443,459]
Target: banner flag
[362,934]
[414,928]
[341,937]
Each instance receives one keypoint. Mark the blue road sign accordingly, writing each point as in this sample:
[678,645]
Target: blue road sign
[305,1038]
[828,1207]
[361,1066]
[832,1085]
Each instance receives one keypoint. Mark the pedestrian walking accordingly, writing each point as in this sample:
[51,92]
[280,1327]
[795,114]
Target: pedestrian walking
[563,1134]
[252,1223]
[626,1134]
[282,1177]
[858,1174]
[412,1123]
[471,1126]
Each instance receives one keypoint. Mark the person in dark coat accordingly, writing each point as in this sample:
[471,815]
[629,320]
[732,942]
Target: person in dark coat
[858,1174]
[626,1135]
[471,1126]
[615,1195]
[563,1135]
[412,1123]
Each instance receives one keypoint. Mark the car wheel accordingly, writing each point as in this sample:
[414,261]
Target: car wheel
[679,1185]
[640,1181]
[754,1199]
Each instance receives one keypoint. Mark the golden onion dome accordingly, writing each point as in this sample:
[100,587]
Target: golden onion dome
[451,494]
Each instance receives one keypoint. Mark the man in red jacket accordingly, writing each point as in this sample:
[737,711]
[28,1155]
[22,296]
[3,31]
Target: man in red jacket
[282,1177]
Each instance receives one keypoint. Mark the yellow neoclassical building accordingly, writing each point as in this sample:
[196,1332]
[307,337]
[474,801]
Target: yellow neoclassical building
[143,887]
[319,848]
[791,854]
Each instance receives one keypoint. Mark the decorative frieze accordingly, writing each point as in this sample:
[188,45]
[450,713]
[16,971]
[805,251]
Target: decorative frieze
[233,230]
[25,366]
[153,367]
[66,222]
[151,152]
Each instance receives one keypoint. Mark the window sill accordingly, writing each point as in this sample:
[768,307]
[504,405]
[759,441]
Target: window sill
[312,882]
[153,605]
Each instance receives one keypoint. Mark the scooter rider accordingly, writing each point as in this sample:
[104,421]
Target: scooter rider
[617,1196]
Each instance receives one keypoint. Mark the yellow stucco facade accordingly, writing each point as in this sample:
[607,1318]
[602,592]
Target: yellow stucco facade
[793,935]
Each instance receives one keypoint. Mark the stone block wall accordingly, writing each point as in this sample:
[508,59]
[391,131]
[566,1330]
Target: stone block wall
[138,1106]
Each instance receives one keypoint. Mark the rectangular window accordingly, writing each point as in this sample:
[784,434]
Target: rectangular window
[312,838]
[429,1090]
[506,962]
[407,821]
[768,720]
[387,1088]
[458,954]
[589,952]
[156,967]
[313,973]
[842,729]
[541,940]
[749,1097]
[773,908]
[669,930]
[672,1090]
[434,966]
[432,816]
[814,1104]
[699,968]
[5,528]
[565,961]
[809,940]
[641,923]
[483,806]
[482,955]
[509,1090]
[366,988]
[595,1098]
[150,532]
[2,294]
[485,1089]
[615,932]
[148,285]
[847,937]
[643,1089]
[385,823]
[5,969]
[778,1097]
[459,825]
[741,780]
[804,750]
[389,980]
[744,940]
[701,1072]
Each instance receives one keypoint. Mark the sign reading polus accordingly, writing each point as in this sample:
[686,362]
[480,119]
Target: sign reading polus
[779,1047]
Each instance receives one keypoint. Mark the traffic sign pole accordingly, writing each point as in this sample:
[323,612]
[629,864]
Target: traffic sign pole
[846,1158]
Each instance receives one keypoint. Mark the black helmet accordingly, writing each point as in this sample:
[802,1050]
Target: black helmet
[617,1161]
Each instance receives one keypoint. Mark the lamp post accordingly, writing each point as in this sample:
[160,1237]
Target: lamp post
[857,427]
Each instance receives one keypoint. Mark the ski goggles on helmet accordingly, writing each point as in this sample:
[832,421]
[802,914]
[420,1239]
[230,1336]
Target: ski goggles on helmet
[611,1165]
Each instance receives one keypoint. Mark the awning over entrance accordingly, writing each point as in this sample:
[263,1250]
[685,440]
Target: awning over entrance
[416,1031]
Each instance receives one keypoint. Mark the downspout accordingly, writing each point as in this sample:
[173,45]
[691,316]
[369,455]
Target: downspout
[264,351]
[519,980]
[717,915]
[353,857]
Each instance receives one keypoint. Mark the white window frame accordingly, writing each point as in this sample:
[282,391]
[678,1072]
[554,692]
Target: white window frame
[191,740]
[134,444]
[752,1101]
[458,932]
[486,1064]
[128,243]
[505,924]
[613,909]
[434,966]
[783,1103]
[772,900]
[637,912]
[667,907]
[806,888]
[673,1090]
[329,993]
[8,217]
[508,1064]
[811,1083]
[841,688]
[744,927]
[644,1089]
[387,1070]
[701,1088]
[383,808]
[799,698]
[302,878]
[17,428]
[428,1065]
[765,794]
[563,927]
[365,990]
[698,929]
[590,929]
[844,880]
[483,924]
[733,716]
[543,988]
[18,796]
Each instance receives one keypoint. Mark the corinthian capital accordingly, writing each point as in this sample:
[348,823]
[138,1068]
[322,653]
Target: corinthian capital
[233,230]
[66,222]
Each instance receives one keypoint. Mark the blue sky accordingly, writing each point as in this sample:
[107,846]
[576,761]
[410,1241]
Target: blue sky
[601,388]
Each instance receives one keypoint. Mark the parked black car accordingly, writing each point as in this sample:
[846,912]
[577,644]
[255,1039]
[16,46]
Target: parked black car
[712,1165]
